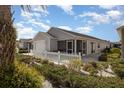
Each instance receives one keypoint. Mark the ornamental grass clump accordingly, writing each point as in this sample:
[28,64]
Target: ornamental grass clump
[75,65]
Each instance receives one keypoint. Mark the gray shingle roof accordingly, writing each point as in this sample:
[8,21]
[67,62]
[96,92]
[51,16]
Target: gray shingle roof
[77,34]
[39,34]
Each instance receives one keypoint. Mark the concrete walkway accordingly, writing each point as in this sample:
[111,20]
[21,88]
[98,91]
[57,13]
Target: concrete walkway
[91,57]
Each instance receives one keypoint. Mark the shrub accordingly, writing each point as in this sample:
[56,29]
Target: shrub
[60,76]
[106,50]
[114,56]
[121,61]
[94,64]
[87,66]
[91,67]
[119,72]
[25,58]
[45,61]
[103,57]
[20,75]
[115,50]
[57,75]
[23,50]
[75,65]
[79,81]
[103,65]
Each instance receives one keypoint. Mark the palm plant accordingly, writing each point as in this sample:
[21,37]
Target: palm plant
[8,34]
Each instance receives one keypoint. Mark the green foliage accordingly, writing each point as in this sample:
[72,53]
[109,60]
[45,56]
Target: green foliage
[115,50]
[75,65]
[24,58]
[87,66]
[57,75]
[60,76]
[94,64]
[106,50]
[121,61]
[103,57]
[21,50]
[113,57]
[118,68]
[20,75]
[119,72]
[91,67]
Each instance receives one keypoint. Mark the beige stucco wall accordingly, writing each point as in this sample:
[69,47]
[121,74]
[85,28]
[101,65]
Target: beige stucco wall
[38,44]
[21,45]
[53,45]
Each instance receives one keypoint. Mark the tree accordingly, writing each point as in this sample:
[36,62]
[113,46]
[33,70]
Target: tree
[8,34]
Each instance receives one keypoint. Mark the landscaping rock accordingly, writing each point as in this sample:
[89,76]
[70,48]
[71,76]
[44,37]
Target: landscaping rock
[47,84]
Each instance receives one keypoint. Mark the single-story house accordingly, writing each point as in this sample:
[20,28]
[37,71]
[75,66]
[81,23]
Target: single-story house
[117,44]
[24,44]
[57,39]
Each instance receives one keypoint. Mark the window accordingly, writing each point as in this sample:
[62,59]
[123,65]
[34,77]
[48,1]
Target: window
[84,50]
[92,47]
[98,45]
[70,46]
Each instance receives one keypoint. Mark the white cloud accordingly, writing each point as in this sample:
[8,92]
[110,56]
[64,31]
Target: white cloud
[19,24]
[24,32]
[98,18]
[39,9]
[68,9]
[38,23]
[107,6]
[26,14]
[114,14]
[102,18]
[120,23]
[65,27]
[36,14]
[30,20]
[85,29]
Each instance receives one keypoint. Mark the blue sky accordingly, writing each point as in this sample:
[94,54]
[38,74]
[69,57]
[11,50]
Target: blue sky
[98,21]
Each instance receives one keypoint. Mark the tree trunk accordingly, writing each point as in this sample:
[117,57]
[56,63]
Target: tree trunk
[7,36]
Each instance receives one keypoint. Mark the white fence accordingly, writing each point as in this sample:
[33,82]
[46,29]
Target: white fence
[58,57]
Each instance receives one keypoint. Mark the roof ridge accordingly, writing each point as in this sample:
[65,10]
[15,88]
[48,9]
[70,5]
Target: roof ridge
[73,33]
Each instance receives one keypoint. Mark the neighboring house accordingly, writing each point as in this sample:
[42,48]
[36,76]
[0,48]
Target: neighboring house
[117,44]
[25,44]
[57,39]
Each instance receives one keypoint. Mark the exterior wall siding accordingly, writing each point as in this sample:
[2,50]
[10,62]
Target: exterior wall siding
[53,45]
[38,44]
